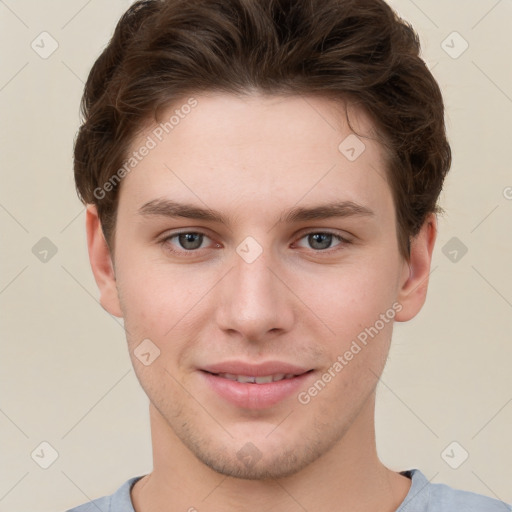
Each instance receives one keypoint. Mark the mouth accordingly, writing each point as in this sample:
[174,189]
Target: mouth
[253,379]
[251,386]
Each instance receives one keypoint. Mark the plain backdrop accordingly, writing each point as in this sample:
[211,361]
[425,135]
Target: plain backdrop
[66,379]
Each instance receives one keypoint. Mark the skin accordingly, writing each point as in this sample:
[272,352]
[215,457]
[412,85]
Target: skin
[252,159]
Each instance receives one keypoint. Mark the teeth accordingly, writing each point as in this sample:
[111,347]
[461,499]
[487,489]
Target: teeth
[244,378]
[257,380]
[263,380]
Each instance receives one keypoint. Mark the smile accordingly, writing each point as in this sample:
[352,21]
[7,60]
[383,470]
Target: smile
[253,387]
[265,379]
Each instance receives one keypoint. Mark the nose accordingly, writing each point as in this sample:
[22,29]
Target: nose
[255,300]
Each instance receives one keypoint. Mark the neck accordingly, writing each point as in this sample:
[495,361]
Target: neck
[348,477]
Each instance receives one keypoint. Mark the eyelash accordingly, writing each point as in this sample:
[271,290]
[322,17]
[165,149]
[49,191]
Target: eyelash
[193,252]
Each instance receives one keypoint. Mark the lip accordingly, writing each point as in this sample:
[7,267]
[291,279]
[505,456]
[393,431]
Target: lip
[255,370]
[252,395]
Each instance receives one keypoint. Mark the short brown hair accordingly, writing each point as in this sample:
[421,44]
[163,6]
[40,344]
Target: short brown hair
[163,50]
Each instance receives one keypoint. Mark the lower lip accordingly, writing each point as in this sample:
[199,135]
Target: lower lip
[255,396]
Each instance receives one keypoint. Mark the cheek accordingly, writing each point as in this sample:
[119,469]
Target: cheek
[355,306]
[351,299]
[152,297]
[167,306]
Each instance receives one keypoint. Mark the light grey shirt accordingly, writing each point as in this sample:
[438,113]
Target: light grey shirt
[423,496]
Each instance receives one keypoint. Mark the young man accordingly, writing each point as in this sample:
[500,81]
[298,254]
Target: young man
[261,179]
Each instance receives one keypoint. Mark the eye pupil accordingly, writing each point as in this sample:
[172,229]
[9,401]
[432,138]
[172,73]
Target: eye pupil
[324,239]
[190,240]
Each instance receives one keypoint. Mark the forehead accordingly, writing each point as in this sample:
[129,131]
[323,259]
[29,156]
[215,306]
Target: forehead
[250,149]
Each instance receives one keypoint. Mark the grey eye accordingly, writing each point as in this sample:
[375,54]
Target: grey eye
[320,240]
[190,241]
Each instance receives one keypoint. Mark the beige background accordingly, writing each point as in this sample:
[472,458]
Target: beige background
[66,378]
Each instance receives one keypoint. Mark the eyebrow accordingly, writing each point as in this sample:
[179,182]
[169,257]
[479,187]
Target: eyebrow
[173,209]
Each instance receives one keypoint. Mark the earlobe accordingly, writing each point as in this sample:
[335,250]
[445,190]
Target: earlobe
[101,263]
[413,290]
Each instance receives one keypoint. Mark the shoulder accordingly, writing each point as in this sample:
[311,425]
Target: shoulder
[436,497]
[102,504]
[445,497]
[120,501]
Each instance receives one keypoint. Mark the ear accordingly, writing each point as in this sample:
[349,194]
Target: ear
[101,263]
[413,289]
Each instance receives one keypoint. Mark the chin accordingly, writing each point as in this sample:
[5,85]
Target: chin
[257,458]
[265,468]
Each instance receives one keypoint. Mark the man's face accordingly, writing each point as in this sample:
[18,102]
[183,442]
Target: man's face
[263,287]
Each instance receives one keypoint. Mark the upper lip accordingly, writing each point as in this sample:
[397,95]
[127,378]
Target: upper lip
[255,370]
